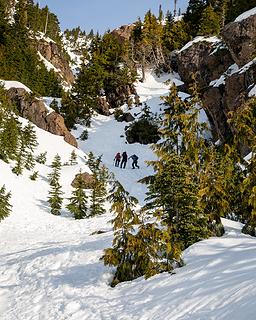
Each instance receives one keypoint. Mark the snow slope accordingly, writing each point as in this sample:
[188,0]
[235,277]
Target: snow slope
[50,267]
[107,136]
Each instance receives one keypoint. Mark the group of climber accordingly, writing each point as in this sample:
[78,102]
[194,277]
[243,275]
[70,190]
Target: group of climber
[122,160]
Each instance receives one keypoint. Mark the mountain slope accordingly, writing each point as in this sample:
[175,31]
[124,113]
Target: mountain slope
[50,267]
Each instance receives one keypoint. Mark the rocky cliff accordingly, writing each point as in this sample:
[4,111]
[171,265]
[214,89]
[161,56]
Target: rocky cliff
[124,32]
[53,55]
[225,70]
[35,110]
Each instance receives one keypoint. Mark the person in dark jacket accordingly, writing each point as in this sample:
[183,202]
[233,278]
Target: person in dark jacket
[134,161]
[124,160]
[117,159]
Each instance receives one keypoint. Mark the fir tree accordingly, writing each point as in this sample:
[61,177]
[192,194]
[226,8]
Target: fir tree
[27,144]
[78,202]
[8,123]
[122,255]
[244,122]
[5,207]
[73,158]
[55,194]
[41,158]
[99,189]
[30,161]
[34,176]
[210,22]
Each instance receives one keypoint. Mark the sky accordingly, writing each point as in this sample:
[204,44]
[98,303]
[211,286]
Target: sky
[101,15]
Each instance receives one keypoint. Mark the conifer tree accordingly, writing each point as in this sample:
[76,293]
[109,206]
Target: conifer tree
[90,160]
[55,194]
[41,158]
[34,176]
[73,158]
[8,123]
[99,185]
[5,207]
[30,161]
[210,22]
[99,189]
[78,202]
[27,144]
[244,122]
[122,255]
[194,14]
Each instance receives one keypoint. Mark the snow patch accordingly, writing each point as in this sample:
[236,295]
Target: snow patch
[222,79]
[14,84]
[49,66]
[252,92]
[246,15]
[200,39]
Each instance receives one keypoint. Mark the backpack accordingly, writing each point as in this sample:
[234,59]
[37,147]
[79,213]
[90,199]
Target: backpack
[134,157]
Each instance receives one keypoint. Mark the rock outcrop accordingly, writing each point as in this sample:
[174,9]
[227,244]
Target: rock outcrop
[34,110]
[206,60]
[88,180]
[240,38]
[123,33]
[225,71]
[127,117]
[52,53]
[103,106]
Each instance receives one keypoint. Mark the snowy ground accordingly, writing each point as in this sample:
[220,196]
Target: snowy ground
[50,267]
[107,136]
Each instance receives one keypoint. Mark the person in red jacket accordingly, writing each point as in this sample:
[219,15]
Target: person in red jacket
[117,159]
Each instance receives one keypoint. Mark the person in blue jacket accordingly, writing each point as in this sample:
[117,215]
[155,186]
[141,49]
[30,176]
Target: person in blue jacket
[134,161]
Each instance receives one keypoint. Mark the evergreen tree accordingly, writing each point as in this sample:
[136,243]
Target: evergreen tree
[30,162]
[78,202]
[194,14]
[5,207]
[122,255]
[8,123]
[27,144]
[55,194]
[73,158]
[34,176]
[175,35]
[99,190]
[41,158]
[210,22]
[244,122]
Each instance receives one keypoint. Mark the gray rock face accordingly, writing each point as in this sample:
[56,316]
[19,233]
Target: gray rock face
[123,33]
[210,61]
[205,60]
[51,52]
[34,110]
[219,101]
[240,38]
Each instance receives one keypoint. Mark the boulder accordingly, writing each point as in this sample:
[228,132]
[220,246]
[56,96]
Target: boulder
[239,36]
[56,125]
[34,110]
[103,106]
[87,178]
[127,117]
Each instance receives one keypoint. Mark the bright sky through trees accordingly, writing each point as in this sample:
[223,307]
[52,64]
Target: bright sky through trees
[101,15]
